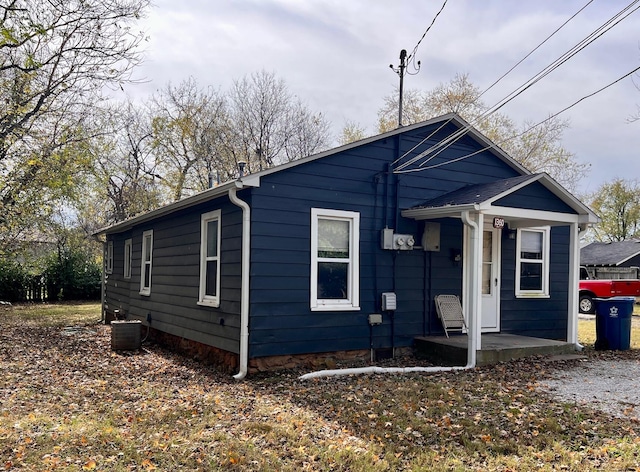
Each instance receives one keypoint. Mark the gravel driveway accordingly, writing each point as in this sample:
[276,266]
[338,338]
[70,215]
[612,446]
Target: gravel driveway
[611,385]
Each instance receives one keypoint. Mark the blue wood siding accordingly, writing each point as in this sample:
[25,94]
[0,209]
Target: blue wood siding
[535,197]
[175,278]
[537,317]
[358,179]
[355,180]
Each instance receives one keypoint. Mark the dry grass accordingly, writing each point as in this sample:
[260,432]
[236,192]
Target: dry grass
[69,403]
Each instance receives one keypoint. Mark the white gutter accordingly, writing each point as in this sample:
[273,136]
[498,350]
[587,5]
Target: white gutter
[244,291]
[471,335]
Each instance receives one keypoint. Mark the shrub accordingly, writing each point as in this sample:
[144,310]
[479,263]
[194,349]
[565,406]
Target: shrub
[72,275]
[13,281]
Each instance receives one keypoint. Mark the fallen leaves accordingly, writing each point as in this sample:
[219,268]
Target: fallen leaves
[70,403]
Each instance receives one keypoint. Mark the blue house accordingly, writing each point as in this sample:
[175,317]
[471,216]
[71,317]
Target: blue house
[342,253]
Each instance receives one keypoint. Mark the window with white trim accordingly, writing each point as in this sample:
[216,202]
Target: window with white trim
[127,258]
[532,262]
[108,262]
[210,259]
[145,266]
[335,266]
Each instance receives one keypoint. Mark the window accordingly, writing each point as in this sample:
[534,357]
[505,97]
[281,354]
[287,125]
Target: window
[335,260]
[210,259]
[127,259]
[145,268]
[109,258]
[532,262]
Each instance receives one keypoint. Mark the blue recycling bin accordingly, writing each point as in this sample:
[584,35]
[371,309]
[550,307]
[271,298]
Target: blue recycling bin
[613,323]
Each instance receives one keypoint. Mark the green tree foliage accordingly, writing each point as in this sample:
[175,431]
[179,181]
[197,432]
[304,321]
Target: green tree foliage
[538,149]
[72,275]
[55,59]
[617,204]
[13,279]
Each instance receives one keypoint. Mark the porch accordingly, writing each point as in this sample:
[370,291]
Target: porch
[496,347]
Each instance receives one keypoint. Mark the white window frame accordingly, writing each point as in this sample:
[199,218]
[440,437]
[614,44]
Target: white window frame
[146,236]
[545,262]
[128,250]
[204,299]
[108,263]
[352,301]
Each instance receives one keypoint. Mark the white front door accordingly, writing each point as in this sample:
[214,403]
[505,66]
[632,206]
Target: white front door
[491,279]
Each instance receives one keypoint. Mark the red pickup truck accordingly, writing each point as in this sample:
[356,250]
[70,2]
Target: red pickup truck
[598,288]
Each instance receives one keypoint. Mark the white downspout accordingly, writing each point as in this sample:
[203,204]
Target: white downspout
[472,342]
[472,286]
[244,291]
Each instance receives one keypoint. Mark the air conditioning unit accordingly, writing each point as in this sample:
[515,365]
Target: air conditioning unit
[125,335]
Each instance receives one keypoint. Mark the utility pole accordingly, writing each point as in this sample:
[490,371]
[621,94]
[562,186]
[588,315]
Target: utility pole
[400,71]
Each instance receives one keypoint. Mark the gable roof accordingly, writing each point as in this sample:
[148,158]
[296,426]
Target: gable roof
[253,180]
[482,196]
[609,254]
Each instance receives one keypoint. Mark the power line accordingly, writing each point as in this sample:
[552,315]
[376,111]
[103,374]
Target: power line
[415,49]
[536,48]
[496,82]
[466,156]
[445,143]
[404,59]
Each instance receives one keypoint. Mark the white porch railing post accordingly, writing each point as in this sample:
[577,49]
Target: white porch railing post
[574,277]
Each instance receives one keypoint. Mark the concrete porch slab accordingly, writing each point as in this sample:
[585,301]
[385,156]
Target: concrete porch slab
[496,347]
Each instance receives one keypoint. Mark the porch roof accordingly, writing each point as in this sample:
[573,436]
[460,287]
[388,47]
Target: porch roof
[481,198]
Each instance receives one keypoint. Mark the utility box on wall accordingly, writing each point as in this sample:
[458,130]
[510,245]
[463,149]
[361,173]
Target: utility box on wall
[431,237]
[389,301]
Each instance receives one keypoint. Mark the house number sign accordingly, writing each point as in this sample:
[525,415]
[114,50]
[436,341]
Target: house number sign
[498,222]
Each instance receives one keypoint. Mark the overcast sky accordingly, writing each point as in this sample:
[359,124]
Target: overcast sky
[335,56]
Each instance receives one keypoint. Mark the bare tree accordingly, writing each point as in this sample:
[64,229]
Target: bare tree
[189,125]
[201,134]
[124,176]
[270,126]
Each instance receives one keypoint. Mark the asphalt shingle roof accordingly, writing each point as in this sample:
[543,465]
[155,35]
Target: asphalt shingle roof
[611,254]
[478,193]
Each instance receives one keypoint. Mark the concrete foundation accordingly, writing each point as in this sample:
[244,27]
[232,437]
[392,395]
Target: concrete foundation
[496,348]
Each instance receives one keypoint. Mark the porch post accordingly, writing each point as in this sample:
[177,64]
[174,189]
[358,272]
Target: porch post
[574,277]
[472,263]
[477,281]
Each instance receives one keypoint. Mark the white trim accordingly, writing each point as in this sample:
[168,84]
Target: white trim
[128,251]
[143,289]
[109,258]
[544,262]
[496,273]
[352,300]
[574,279]
[205,219]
